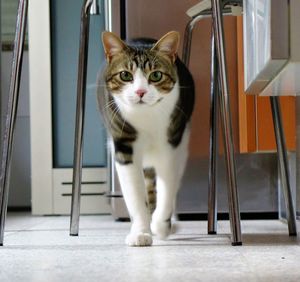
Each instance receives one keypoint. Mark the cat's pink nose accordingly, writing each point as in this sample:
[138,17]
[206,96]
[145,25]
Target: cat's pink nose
[141,92]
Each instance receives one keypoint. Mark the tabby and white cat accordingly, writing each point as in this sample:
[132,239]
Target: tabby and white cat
[147,108]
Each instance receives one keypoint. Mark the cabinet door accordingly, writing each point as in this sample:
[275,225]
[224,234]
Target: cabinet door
[54,47]
[256,133]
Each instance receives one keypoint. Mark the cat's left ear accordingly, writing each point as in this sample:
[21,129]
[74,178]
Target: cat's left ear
[112,44]
[168,45]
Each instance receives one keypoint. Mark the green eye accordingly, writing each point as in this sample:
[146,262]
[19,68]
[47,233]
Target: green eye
[155,76]
[126,76]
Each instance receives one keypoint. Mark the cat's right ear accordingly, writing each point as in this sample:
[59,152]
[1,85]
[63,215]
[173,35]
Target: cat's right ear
[112,44]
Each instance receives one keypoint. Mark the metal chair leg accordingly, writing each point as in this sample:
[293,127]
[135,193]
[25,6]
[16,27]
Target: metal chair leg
[283,165]
[233,202]
[187,41]
[213,137]
[12,111]
[188,33]
[212,214]
[87,8]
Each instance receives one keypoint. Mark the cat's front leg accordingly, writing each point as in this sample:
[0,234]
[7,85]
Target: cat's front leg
[167,187]
[169,172]
[133,187]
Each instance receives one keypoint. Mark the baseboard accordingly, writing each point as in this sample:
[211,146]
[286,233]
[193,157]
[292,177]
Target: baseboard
[19,209]
[225,216]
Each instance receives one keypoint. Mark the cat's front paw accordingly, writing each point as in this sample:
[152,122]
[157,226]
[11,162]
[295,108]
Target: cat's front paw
[139,239]
[162,229]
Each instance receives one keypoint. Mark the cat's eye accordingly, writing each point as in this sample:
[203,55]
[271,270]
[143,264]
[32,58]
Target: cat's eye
[126,76]
[155,76]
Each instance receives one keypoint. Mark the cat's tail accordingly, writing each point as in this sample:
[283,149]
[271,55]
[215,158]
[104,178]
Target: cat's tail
[150,181]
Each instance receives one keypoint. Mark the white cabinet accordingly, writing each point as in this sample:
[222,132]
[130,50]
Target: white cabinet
[51,185]
[272,47]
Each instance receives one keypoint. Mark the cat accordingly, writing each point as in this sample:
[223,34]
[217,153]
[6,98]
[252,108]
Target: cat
[147,107]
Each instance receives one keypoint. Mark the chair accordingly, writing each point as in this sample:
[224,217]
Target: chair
[219,98]
[219,101]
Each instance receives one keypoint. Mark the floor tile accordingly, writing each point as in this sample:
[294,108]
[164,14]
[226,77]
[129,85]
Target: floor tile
[40,249]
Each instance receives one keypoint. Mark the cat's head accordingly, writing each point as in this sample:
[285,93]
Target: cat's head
[139,76]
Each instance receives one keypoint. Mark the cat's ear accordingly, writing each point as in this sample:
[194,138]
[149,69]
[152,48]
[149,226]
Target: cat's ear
[168,44]
[112,44]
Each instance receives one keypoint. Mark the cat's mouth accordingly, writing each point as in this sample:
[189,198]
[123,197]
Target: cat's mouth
[141,102]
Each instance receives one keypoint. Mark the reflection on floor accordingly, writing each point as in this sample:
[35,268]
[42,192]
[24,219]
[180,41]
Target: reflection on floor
[40,249]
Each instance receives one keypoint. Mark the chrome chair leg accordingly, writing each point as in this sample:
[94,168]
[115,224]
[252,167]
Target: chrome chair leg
[80,111]
[187,42]
[213,137]
[188,33]
[283,165]
[212,207]
[233,202]
[12,111]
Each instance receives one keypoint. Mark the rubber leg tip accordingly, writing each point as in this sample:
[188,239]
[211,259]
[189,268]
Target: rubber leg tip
[1,244]
[74,234]
[236,243]
[293,234]
[212,232]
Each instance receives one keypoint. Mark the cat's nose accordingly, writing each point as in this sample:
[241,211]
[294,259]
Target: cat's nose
[141,92]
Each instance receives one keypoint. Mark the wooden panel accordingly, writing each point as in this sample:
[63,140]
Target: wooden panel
[288,110]
[265,128]
[246,103]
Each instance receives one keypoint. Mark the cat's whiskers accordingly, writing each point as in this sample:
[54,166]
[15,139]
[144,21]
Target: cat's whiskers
[94,86]
[115,112]
[109,104]
[122,127]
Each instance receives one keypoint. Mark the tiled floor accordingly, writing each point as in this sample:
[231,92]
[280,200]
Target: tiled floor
[40,249]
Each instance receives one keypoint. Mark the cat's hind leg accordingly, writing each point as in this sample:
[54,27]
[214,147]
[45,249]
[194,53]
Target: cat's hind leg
[150,183]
